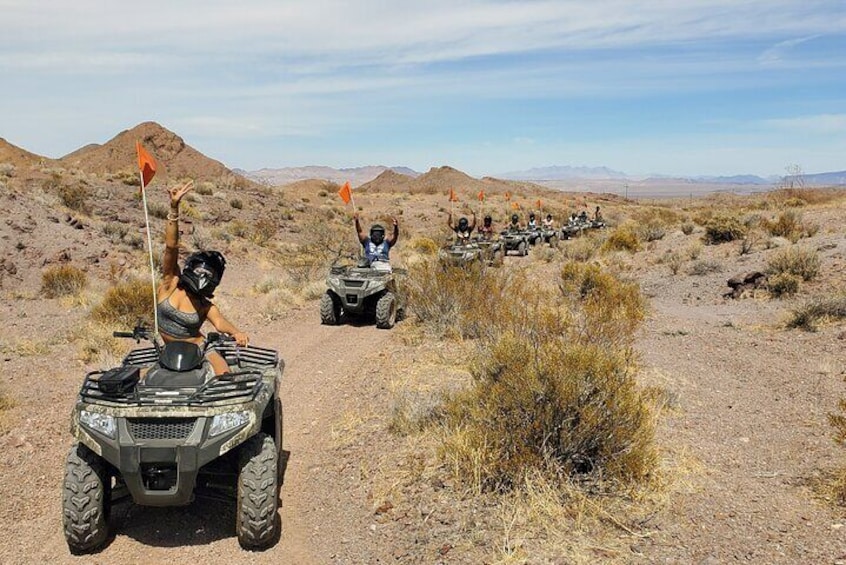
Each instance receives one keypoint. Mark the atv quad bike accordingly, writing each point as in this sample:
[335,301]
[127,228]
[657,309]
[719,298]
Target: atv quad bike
[533,235]
[493,251]
[515,241]
[550,236]
[363,290]
[460,254]
[163,429]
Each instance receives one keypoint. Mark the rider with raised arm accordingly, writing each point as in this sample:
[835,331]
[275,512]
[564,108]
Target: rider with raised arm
[185,296]
[463,228]
[376,246]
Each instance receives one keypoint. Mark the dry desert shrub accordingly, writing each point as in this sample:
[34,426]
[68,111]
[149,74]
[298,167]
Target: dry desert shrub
[125,304]
[705,267]
[74,196]
[652,231]
[800,261]
[263,231]
[783,284]
[674,261]
[721,229]
[687,227]
[64,280]
[622,238]
[806,195]
[204,188]
[694,250]
[810,314]
[553,390]
[236,203]
[423,245]
[838,422]
[580,249]
[7,170]
[790,225]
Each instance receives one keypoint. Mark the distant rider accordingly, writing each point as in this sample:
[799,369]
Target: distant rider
[463,229]
[547,222]
[533,223]
[515,223]
[597,216]
[376,246]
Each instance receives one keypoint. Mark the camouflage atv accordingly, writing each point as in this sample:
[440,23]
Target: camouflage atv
[363,290]
[460,254]
[550,236]
[533,235]
[162,428]
[515,241]
[493,251]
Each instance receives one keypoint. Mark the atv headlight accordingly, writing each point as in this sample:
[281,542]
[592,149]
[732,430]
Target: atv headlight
[229,421]
[334,281]
[102,423]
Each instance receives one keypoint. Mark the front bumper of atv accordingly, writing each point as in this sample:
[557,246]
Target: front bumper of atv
[159,458]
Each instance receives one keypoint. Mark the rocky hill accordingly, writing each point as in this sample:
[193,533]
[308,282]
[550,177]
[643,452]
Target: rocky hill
[174,157]
[17,157]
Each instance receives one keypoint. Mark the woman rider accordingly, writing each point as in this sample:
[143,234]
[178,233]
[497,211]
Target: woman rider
[184,296]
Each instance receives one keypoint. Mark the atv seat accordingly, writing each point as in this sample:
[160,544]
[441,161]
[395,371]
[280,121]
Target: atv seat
[163,377]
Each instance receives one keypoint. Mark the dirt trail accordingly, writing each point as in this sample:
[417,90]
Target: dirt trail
[322,519]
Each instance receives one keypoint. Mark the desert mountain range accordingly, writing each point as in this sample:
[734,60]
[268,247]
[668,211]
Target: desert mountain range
[177,159]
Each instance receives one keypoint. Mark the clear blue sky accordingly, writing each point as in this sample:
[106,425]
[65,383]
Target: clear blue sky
[652,86]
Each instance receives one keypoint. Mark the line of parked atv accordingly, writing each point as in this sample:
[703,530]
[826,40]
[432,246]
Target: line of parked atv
[518,241]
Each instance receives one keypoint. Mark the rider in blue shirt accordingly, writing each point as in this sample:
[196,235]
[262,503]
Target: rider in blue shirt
[376,246]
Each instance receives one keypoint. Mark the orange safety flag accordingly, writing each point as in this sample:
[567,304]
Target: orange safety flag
[507,196]
[452,196]
[481,196]
[146,164]
[515,205]
[346,193]
[539,204]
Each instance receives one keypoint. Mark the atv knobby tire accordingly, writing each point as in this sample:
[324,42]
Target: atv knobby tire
[386,311]
[257,523]
[522,249]
[86,500]
[330,309]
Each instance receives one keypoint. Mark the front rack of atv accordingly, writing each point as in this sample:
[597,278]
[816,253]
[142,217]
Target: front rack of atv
[234,389]
[240,386]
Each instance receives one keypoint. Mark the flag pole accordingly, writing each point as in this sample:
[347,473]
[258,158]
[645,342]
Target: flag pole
[150,250]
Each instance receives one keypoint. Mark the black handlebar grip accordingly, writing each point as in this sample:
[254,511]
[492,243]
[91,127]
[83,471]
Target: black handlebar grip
[123,334]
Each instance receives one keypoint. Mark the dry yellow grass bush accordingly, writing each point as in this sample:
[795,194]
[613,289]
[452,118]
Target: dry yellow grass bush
[790,225]
[423,245]
[803,262]
[64,280]
[580,249]
[125,304]
[809,315]
[553,388]
[622,238]
[783,284]
[721,229]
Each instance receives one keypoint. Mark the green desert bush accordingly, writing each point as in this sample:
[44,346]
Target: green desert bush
[790,225]
[783,284]
[236,203]
[652,231]
[800,261]
[64,280]
[810,314]
[204,188]
[721,229]
[125,304]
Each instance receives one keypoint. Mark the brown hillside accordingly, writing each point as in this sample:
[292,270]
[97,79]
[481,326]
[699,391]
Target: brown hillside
[175,158]
[388,181]
[19,157]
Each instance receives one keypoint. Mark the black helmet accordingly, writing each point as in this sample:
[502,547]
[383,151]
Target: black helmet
[463,224]
[514,218]
[377,233]
[549,216]
[202,273]
[487,220]
[532,216]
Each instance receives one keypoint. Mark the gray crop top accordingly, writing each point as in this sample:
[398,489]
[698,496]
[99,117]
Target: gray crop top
[176,323]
